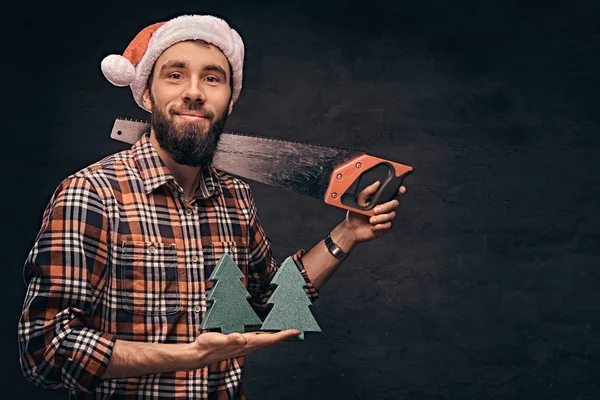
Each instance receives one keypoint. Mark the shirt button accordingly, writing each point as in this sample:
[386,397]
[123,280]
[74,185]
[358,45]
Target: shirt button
[197,309]
[195,258]
[189,211]
[152,249]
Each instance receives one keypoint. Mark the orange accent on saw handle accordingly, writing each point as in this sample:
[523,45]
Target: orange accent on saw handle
[351,178]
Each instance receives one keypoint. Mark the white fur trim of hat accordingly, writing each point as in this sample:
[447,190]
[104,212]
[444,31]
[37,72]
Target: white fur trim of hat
[135,65]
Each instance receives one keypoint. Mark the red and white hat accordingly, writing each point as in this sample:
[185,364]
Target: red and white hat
[135,65]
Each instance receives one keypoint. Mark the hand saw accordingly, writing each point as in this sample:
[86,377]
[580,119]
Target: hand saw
[333,174]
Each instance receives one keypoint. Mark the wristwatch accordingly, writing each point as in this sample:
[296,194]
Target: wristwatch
[335,249]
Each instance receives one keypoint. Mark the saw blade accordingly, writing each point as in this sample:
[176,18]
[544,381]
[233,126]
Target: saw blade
[301,167]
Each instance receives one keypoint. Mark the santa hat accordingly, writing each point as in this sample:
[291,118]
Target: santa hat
[135,65]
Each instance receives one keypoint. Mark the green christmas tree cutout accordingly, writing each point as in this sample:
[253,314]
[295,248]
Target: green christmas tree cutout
[290,302]
[230,310]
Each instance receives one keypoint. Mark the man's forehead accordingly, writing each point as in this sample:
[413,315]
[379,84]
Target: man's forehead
[193,52]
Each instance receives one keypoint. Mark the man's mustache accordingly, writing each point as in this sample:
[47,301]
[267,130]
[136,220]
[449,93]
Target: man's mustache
[195,108]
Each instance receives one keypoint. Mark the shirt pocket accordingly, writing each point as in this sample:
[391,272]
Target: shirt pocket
[238,252]
[148,279]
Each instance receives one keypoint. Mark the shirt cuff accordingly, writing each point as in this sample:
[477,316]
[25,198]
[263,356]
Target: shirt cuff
[87,353]
[310,290]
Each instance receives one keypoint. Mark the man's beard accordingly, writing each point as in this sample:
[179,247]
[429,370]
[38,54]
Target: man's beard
[186,143]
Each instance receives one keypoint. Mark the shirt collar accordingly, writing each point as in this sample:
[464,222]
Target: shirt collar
[155,173]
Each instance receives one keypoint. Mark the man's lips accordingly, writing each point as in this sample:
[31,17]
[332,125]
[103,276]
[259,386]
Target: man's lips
[191,116]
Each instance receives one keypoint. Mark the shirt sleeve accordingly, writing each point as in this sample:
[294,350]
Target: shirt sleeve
[65,274]
[262,266]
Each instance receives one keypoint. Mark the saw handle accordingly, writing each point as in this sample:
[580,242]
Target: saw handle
[352,178]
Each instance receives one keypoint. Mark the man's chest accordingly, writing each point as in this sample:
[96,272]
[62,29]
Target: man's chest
[163,253]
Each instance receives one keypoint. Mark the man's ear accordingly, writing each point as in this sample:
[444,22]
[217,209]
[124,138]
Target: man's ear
[146,99]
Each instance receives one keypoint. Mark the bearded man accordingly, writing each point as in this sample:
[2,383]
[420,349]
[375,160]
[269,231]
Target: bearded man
[118,274]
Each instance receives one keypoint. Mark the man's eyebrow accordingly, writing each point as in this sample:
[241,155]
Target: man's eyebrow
[215,68]
[182,64]
[173,64]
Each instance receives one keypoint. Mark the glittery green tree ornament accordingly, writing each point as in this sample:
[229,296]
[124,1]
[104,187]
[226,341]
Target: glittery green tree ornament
[290,303]
[230,310]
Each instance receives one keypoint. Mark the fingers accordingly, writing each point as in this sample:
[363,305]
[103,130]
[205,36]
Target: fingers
[383,218]
[267,338]
[381,227]
[362,199]
[379,223]
[289,333]
[217,346]
[258,340]
[386,208]
[218,339]
[384,215]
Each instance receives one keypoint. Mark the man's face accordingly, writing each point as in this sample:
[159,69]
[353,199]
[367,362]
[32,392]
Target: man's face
[190,99]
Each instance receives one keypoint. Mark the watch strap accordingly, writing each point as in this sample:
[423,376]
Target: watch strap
[334,249]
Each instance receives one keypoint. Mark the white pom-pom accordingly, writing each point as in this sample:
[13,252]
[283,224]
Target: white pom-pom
[118,70]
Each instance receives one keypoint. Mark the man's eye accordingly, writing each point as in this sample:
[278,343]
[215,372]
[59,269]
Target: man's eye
[175,75]
[212,79]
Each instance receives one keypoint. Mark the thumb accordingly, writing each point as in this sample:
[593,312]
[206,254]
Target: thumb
[236,339]
[363,197]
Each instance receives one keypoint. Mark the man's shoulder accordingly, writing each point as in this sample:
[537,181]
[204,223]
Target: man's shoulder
[101,173]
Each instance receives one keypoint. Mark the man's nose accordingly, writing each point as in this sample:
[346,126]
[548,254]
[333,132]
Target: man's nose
[194,93]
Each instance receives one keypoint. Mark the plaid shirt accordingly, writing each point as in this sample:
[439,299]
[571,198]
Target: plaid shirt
[122,255]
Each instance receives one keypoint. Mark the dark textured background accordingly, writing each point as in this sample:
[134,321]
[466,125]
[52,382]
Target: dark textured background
[487,286]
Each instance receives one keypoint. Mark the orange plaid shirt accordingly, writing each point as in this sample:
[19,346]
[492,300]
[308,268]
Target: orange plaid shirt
[122,255]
